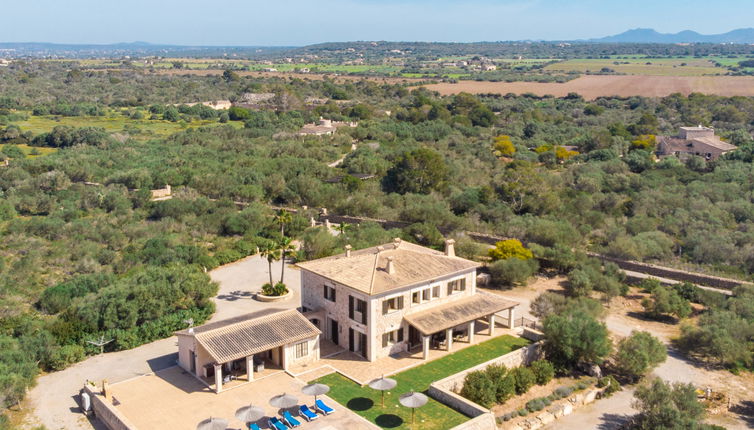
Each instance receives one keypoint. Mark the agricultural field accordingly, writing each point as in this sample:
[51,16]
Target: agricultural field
[113,123]
[593,86]
[641,66]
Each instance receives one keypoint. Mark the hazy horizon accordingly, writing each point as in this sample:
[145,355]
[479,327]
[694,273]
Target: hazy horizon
[298,22]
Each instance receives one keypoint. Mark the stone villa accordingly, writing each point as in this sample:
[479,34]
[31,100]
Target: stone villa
[397,297]
[374,302]
[700,141]
[324,127]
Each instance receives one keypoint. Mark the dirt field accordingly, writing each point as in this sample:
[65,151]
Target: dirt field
[593,86]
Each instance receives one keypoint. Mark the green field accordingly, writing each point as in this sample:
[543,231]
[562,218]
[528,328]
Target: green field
[434,415]
[32,151]
[642,66]
[113,123]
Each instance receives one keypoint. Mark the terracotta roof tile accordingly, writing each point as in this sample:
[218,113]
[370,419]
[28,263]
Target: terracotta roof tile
[458,312]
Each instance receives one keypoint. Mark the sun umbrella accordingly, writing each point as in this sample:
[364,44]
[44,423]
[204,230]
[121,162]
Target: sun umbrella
[383,384]
[283,401]
[413,400]
[315,390]
[213,424]
[249,413]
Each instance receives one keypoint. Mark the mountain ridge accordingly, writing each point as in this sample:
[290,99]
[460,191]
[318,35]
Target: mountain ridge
[649,35]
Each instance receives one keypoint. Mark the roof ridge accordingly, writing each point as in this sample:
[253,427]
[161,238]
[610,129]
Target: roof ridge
[374,272]
[247,321]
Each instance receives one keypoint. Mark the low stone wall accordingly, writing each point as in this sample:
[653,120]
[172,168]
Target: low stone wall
[482,422]
[670,273]
[107,413]
[537,420]
[521,356]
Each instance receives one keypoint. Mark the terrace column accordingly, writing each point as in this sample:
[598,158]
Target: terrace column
[218,378]
[471,331]
[250,367]
[449,339]
[491,322]
[425,347]
[511,317]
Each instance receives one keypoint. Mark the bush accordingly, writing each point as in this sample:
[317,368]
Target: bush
[665,301]
[65,356]
[610,384]
[543,371]
[513,271]
[279,289]
[524,379]
[523,412]
[637,354]
[479,388]
[535,405]
[511,248]
[563,391]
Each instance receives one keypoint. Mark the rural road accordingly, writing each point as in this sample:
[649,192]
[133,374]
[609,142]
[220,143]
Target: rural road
[53,399]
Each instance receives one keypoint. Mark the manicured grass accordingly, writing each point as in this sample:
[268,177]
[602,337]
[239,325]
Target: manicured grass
[434,415]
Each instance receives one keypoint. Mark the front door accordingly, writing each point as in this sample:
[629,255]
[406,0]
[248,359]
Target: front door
[334,331]
[357,342]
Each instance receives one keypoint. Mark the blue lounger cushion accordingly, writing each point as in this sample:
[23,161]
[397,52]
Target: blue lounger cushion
[322,407]
[293,422]
[277,424]
[253,426]
[307,413]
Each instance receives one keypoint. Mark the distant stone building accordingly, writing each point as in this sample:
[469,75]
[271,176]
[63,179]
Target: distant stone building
[324,127]
[699,141]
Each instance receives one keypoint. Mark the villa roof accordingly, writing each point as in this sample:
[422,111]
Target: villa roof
[366,269]
[252,333]
[458,312]
[679,144]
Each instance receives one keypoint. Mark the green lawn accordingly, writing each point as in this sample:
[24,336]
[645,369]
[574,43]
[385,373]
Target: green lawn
[433,416]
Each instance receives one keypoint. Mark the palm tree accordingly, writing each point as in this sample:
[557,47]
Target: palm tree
[283,217]
[271,252]
[286,247]
[344,228]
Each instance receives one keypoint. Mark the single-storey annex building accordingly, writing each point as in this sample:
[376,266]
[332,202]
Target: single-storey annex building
[238,347]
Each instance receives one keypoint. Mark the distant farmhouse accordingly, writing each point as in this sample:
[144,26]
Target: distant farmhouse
[699,141]
[397,297]
[324,127]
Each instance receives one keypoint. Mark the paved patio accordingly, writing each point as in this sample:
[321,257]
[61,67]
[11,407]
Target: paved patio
[362,371]
[171,398]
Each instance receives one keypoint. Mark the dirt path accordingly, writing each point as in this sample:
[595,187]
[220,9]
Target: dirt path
[53,400]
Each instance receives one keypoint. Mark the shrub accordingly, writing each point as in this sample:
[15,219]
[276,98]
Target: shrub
[524,379]
[65,356]
[563,391]
[511,248]
[479,388]
[666,301]
[535,405]
[513,271]
[610,384]
[523,412]
[279,289]
[543,371]
[638,354]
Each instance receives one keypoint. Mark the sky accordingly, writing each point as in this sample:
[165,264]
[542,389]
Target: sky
[302,22]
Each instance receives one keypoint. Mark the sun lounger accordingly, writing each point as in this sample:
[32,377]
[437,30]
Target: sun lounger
[322,407]
[307,413]
[277,424]
[253,426]
[293,422]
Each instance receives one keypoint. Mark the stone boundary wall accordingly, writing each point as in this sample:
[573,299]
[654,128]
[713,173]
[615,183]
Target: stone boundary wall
[482,422]
[670,273]
[105,412]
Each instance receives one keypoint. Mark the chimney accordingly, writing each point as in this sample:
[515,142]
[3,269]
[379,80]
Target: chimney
[390,266]
[450,249]
[397,242]
[348,250]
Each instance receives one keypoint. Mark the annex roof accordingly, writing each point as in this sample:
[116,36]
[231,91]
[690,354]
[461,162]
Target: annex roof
[252,333]
[458,312]
[366,269]
[679,144]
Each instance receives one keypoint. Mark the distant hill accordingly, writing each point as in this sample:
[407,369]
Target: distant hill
[648,35]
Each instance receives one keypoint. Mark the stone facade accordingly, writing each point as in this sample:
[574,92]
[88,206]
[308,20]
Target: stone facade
[313,298]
